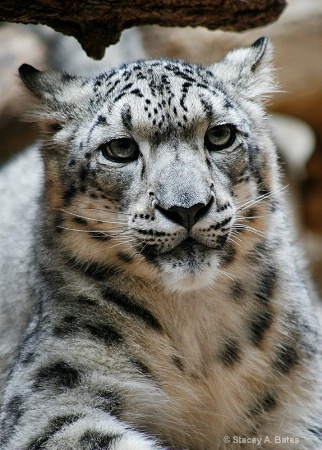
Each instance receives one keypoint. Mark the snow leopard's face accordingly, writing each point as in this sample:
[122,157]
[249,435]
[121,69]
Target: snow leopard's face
[154,168]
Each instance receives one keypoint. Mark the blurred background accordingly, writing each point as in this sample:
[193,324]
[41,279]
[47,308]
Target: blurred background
[296,111]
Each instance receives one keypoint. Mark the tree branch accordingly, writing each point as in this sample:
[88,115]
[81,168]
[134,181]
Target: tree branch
[97,23]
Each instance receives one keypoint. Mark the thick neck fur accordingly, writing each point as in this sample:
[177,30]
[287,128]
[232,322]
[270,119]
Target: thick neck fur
[214,344]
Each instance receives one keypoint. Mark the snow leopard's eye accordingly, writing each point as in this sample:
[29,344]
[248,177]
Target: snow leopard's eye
[120,150]
[220,137]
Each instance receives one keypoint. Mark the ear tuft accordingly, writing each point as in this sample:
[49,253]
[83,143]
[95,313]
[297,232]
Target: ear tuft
[260,46]
[29,76]
[26,70]
[249,70]
[260,42]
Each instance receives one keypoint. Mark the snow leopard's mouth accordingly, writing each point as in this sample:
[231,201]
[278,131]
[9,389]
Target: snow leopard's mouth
[187,266]
[186,250]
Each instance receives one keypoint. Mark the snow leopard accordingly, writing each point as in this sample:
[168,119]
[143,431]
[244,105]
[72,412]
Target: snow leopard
[152,292]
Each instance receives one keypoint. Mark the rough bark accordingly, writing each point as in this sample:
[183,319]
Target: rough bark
[99,23]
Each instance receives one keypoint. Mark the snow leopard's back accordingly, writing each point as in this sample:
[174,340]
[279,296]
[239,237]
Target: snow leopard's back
[20,183]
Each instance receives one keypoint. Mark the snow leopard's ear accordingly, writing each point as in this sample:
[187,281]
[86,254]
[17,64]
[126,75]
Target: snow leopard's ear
[249,70]
[52,92]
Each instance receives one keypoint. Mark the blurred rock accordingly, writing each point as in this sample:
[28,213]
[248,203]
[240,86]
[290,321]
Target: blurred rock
[18,45]
[296,143]
[96,25]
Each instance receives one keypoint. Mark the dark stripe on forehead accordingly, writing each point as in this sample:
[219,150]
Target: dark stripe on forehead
[207,107]
[126,116]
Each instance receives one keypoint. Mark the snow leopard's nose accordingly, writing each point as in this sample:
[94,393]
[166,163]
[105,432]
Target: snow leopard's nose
[186,217]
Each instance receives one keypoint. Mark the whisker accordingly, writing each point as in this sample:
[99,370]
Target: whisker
[248,217]
[93,231]
[102,209]
[236,236]
[122,243]
[143,247]
[235,242]
[229,275]
[253,230]
[260,198]
[89,218]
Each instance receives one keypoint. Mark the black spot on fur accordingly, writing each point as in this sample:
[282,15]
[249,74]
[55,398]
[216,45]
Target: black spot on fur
[259,323]
[221,224]
[98,272]
[104,332]
[221,241]
[261,253]
[101,120]
[122,94]
[207,107]
[229,255]
[316,431]
[36,327]
[142,368]
[149,252]
[85,301]
[58,222]
[268,402]
[126,116]
[28,358]
[93,440]
[100,236]
[251,214]
[110,402]
[65,327]
[228,104]
[125,257]
[264,191]
[229,355]
[69,194]
[286,359]
[54,427]
[178,363]
[274,206]
[13,410]
[131,307]
[265,404]
[83,174]
[223,207]
[66,77]
[60,374]
[136,92]
[266,284]
[142,171]
[80,220]
[238,291]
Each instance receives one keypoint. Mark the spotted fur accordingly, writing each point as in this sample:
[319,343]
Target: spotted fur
[156,301]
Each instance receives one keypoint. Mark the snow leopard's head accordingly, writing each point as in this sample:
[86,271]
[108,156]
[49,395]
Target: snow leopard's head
[157,167]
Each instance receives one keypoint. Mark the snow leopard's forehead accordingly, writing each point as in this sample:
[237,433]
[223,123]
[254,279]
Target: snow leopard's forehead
[159,77]
[163,95]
